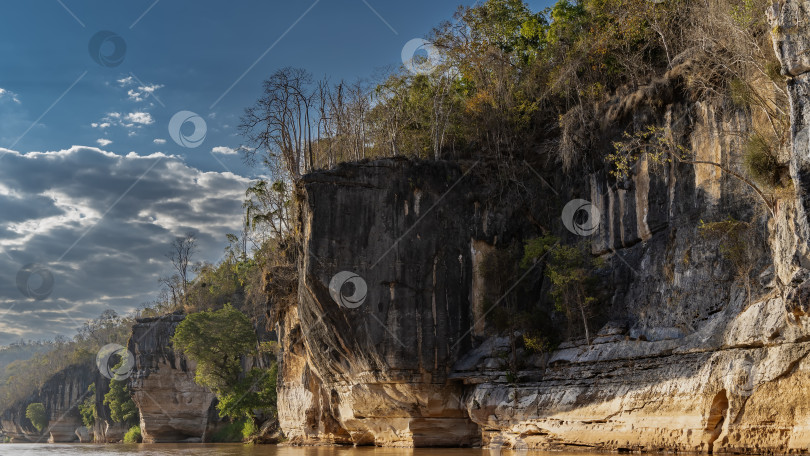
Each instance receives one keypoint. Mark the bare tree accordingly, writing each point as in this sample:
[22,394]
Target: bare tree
[182,249]
[279,126]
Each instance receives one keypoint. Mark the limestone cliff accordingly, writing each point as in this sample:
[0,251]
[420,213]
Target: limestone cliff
[60,396]
[690,356]
[172,407]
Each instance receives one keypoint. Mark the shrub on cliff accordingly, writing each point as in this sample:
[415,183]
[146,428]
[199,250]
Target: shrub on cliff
[133,435]
[36,414]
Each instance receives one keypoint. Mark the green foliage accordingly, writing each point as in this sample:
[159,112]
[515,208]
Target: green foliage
[537,344]
[36,415]
[651,142]
[119,401]
[230,432]
[87,408]
[256,391]
[133,435]
[536,248]
[216,340]
[249,430]
[269,347]
[570,270]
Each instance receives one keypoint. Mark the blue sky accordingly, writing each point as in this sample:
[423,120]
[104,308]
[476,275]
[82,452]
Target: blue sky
[93,187]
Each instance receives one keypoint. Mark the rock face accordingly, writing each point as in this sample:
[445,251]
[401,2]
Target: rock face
[60,395]
[390,344]
[172,407]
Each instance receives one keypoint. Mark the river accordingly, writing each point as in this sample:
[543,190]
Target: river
[35,449]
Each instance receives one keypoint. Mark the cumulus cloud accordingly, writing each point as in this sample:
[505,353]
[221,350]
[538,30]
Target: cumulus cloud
[101,223]
[130,120]
[223,150]
[103,142]
[159,141]
[140,118]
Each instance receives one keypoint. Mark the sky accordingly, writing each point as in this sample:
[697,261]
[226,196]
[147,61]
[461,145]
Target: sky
[118,133]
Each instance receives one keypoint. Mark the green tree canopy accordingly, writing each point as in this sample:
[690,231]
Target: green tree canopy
[216,340]
[119,400]
[36,414]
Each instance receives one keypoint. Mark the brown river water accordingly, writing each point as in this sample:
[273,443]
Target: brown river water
[252,450]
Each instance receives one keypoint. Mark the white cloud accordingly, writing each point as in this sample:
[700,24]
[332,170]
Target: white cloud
[139,117]
[126,81]
[101,125]
[9,94]
[103,142]
[223,150]
[116,263]
[143,91]
[159,141]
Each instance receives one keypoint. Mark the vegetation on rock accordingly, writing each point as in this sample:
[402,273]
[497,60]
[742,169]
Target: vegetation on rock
[218,341]
[35,412]
[133,435]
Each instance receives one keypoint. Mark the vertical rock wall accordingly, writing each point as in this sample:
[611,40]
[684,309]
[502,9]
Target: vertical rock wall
[694,356]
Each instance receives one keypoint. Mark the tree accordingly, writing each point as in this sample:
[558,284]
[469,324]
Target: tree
[36,415]
[278,127]
[87,409]
[217,341]
[269,205]
[569,269]
[182,249]
[122,407]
